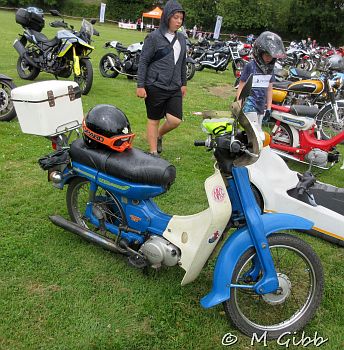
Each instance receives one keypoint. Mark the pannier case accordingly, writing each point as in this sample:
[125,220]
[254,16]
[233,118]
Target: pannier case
[49,107]
[31,20]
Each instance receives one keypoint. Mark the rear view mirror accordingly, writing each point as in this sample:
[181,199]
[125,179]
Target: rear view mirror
[245,92]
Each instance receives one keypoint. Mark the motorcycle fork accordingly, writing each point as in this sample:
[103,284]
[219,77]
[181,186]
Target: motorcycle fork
[263,260]
[333,101]
[76,63]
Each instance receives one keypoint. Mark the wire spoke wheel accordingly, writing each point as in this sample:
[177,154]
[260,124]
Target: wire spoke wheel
[282,135]
[81,205]
[327,123]
[7,111]
[85,79]
[290,308]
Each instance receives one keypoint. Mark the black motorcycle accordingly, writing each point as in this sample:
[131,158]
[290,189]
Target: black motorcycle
[67,53]
[216,57]
[126,61]
[7,111]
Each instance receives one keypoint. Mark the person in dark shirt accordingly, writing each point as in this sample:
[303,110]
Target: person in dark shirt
[161,77]
[266,49]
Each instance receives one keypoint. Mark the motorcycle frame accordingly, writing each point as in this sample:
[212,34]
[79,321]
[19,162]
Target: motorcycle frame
[304,141]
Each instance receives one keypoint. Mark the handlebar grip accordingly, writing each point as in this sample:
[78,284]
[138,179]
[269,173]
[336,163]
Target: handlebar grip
[199,143]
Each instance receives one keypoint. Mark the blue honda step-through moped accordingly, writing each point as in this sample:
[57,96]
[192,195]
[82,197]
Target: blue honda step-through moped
[267,281]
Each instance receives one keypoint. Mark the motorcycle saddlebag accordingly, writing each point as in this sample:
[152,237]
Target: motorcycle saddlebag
[31,20]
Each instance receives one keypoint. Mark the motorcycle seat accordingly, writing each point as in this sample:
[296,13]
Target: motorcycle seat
[281,85]
[305,111]
[300,73]
[41,38]
[131,165]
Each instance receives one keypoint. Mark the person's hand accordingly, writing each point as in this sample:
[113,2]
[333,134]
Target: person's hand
[183,89]
[141,92]
[267,115]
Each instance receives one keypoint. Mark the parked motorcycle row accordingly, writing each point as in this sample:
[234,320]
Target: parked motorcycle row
[110,195]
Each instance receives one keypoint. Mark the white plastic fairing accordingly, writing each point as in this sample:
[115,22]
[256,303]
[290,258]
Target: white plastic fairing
[196,235]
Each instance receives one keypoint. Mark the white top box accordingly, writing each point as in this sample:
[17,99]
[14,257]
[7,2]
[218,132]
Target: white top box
[49,107]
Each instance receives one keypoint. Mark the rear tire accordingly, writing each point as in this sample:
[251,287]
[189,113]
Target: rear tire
[25,70]
[283,135]
[7,111]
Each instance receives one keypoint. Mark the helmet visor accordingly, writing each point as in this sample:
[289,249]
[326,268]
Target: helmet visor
[118,143]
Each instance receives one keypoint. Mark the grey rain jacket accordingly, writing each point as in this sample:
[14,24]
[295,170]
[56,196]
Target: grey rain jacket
[163,73]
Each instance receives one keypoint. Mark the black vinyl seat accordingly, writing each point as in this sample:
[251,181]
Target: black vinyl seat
[131,165]
[305,111]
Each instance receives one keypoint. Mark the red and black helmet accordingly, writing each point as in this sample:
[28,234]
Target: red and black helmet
[106,125]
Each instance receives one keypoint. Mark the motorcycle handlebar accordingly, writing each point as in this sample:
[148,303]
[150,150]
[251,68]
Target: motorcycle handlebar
[199,143]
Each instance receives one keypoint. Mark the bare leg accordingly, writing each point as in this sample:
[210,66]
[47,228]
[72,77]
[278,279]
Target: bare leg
[152,134]
[170,123]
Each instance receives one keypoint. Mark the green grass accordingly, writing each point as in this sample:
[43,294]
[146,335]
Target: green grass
[60,292]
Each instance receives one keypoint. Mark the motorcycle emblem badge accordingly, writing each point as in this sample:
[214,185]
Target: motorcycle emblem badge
[218,194]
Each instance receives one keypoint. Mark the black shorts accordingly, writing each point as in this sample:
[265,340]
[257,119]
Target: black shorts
[159,102]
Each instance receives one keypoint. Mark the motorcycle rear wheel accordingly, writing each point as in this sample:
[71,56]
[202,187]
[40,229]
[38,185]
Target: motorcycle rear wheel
[326,121]
[7,111]
[78,203]
[282,136]
[25,70]
[301,281]
[85,79]
[105,66]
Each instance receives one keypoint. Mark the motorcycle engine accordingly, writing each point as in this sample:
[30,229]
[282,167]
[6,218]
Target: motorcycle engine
[318,157]
[159,251]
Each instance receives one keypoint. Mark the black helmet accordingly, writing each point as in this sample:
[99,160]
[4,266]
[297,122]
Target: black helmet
[336,62]
[269,43]
[107,125]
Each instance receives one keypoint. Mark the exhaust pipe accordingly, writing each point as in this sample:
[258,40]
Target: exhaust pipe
[86,234]
[20,48]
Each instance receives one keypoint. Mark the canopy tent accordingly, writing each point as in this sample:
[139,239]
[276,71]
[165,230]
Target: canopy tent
[155,13]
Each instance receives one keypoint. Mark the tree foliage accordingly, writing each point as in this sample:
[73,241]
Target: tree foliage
[292,19]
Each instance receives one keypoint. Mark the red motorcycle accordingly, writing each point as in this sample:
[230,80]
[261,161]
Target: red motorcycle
[293,136]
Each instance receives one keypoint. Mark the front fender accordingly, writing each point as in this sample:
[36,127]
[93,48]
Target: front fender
[237,245]
[5,77]
[190,60]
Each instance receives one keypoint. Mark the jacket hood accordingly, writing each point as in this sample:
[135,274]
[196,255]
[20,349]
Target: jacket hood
[170,8]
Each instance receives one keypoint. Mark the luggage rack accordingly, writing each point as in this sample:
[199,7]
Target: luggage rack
[61,138]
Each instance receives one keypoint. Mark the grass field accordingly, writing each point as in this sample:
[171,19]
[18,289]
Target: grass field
[60,292]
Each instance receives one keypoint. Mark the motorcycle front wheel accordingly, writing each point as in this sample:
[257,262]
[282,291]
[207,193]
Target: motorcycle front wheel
[106,65]
[7,111]
[290,308]
[328,125]
[237,67]
[190,70]
[25,70]
[85,79]
[80,206]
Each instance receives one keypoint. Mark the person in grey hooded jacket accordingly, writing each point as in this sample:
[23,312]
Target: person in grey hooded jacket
[161,77]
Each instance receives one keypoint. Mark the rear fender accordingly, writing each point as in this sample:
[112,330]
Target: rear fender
[237,245]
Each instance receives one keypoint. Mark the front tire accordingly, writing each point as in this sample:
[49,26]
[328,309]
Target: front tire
[106,65]
[301,282]
[7,111]
[85,79]
[190,70]
[25,70]
[326,121]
